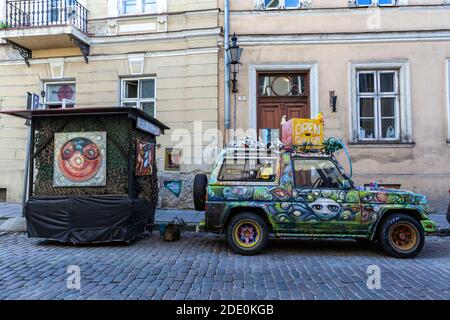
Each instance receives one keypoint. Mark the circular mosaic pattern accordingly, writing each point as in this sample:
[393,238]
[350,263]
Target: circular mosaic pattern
[80,159]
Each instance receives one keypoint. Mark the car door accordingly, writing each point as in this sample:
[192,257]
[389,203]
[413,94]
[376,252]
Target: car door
[324,200]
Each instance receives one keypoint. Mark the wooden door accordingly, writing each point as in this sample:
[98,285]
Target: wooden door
[282,94]
[270,114]
[296,110]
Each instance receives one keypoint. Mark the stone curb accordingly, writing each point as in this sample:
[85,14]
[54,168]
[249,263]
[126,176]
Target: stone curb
[14,225]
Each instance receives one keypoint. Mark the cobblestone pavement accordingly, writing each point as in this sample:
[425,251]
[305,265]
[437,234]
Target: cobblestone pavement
[201,266]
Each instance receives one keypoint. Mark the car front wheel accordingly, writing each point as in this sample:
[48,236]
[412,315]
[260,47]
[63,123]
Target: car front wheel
[401,236]
[247,234]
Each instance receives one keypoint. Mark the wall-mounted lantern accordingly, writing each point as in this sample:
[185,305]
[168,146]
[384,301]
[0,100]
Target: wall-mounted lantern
[234,56]
[333,101]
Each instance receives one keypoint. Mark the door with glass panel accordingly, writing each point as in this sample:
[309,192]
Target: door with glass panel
[282,94]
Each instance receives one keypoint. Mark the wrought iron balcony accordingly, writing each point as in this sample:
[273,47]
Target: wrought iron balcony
[33,25]
[44,13]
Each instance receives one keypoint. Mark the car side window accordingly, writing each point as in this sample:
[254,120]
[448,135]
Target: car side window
[250,170]
[317,173]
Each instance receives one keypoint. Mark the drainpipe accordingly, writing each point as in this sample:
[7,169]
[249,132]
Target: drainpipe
[227,64]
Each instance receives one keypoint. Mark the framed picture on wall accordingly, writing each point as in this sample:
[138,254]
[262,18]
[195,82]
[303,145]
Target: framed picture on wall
[145,157]
[173,158]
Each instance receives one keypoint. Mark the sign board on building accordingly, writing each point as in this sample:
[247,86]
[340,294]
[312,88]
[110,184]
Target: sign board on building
[303,131]
[174,187]
[32,101]
[148,127]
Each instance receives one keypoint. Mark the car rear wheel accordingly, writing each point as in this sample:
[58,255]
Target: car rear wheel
[401,236]
[247,234]
[199,189]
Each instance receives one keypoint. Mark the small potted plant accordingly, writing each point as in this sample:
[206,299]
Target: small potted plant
[3,25]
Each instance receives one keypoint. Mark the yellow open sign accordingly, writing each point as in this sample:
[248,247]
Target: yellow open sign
[303,131]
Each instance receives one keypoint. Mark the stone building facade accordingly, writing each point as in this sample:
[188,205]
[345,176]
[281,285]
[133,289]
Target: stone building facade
[385,63]
[159,55]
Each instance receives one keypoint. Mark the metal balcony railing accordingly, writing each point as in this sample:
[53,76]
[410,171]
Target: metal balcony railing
[43,13]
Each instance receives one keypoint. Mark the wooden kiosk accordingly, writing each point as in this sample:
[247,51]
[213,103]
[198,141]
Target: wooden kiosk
[92,173]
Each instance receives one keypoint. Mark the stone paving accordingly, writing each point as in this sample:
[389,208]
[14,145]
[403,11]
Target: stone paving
[201,267]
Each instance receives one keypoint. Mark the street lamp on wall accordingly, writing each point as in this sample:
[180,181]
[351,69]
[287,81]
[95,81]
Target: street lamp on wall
[234,54]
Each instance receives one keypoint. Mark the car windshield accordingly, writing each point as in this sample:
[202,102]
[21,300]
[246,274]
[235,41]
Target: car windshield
[317,173]
[262,169]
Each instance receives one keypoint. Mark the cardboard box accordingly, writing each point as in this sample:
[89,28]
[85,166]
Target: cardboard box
[303,131]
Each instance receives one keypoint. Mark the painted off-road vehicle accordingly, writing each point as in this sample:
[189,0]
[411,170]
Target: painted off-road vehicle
[254,194]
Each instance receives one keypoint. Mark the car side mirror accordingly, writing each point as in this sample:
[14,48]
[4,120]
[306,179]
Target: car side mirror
[346,185]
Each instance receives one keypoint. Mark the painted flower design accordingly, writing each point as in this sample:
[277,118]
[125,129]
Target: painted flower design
[382,197]
[280,194]
[247,234]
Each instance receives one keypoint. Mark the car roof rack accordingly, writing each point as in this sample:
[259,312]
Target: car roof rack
[305,148]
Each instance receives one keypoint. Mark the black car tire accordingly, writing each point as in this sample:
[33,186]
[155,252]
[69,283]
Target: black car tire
[249,220]
[199,190]
[401,236]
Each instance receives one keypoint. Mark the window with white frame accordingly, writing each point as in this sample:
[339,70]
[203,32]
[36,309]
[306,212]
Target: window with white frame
[60,94]
[366,3]
[139,93]
[377,96]
[281,4]
[138,6]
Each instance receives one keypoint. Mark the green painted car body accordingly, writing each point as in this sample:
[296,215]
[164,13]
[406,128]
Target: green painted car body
[290,211]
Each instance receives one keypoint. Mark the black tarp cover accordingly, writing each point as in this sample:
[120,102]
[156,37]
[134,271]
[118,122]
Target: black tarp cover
[88,219]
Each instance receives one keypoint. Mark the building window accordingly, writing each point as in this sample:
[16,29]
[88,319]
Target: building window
[60,94]
[149,6]
[366,3]
[129,6]
[378,105]
[173,159]
[380,92]
[280,4]
[139,93]
[282,85]
[139,6]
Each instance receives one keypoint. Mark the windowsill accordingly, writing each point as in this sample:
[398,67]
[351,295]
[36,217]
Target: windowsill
[138,15]
[377,144]
[280,9]
[389,5]
[377,6]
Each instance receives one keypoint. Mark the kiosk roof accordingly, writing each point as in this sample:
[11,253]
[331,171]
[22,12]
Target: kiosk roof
[130,111]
